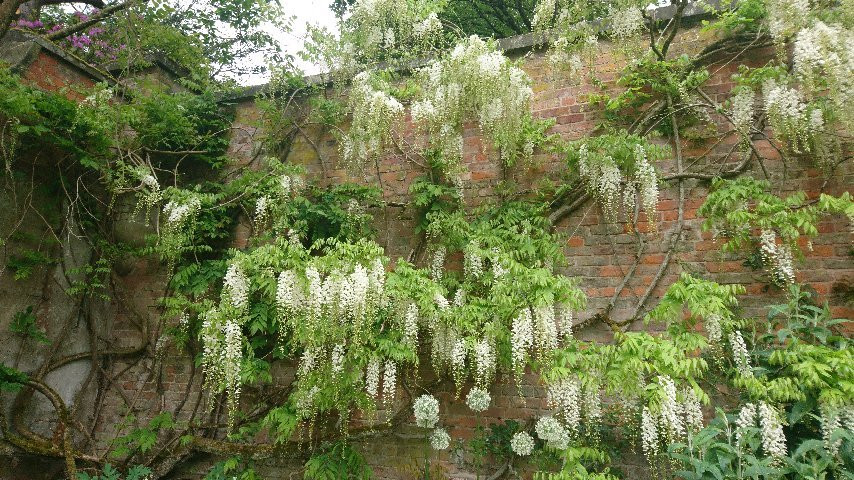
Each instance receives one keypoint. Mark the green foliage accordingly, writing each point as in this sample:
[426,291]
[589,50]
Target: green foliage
[581,463]
[339,461]
[144,438]
[23,263]
[739,17]
[802,358]
[180,122]
[650,79]
[109,472]
[735,208]
[11,379]
[803,364]
[24,323]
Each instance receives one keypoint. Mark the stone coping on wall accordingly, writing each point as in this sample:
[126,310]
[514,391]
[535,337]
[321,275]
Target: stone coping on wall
[694,12]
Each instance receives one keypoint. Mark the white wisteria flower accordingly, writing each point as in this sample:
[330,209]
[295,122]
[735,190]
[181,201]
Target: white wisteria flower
[236,287]
[740,355]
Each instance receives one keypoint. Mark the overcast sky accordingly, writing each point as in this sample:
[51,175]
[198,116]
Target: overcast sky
[316,12]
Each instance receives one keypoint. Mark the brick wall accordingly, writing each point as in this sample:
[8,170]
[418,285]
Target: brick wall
[598,254]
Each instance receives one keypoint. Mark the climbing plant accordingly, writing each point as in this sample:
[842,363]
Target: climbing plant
[487,294]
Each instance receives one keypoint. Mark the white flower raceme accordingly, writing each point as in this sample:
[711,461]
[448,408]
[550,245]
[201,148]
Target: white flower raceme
[647,183]
[474,82]
[742,110]
[543,14]
[427,27]
[484,362]
[778,258]
[790,116]
[830,423]
[522,444]
[374,114]
[771,431]
[459,297]
[552,432]
[592,403]
[625,22]
[437,263]
[458,360]
[410,324]
[672,423]
[337,360]
[746,419]
[232,359]
[439,439]
[606,182]
[478,399]
[563,396]
[521,339]
[693,412]
[545,329]
[713,328]
[308,361]
[389,382]
[426,410]
[566,322]
[649,433]
[177,214]
[442,302]
[740,355]
[262,208]
[150,182]
[786,17]
[236,287]
[286,291]
[372,377]
[472,261]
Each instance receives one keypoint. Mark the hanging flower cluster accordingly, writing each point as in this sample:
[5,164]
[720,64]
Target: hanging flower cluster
[673,419]
[833,418]
[178,228]
[823,61]
[740,355]
[374,113]
[573,40]
[791,117]
[328,307]
[474,82]
[770,428]
[786,17]
[564,396]
[625,22]
[616,182]
[382,29]
[778,258]
[742,110]
[222,357]
[149,193]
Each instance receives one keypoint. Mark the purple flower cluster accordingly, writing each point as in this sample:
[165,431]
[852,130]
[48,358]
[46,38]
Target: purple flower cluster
[89,43]
[30,25]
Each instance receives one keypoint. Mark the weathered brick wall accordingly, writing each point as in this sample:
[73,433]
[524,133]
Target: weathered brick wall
[598,254]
